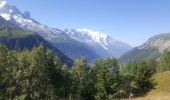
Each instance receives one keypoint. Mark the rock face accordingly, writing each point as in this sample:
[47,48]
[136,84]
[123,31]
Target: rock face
[150,49]
[161,42]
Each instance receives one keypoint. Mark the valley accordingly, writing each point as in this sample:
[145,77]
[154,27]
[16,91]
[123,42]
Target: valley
[52,61]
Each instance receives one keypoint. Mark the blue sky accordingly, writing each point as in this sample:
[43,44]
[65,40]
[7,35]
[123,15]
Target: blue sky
[130,21]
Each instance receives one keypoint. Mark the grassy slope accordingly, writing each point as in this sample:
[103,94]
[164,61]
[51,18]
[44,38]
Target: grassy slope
[9,31]
[162,89]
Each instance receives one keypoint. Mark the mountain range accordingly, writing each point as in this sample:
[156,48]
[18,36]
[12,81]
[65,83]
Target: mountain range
[77,43]
[69,41]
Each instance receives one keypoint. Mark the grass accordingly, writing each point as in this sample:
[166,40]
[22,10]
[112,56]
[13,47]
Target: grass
[161,90]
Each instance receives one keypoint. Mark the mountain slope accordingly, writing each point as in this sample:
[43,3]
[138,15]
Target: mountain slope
[14,38]
[103,44]
[150,49]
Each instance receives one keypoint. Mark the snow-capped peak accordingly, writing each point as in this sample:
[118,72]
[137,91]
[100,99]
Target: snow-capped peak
[98,40]
[4,11]
[3,3]
[24,20]
[88,35]
[94,34]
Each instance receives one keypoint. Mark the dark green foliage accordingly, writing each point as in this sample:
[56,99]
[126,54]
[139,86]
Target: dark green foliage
[36,74]
[105,74]
[31,75]
[138,76]
[83,86]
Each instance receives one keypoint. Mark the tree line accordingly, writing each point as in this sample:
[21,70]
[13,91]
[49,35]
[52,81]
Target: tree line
[39,75]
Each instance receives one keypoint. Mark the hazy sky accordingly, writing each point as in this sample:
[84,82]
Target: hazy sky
[130,21]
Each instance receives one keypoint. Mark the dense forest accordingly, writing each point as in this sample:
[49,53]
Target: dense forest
[39,75]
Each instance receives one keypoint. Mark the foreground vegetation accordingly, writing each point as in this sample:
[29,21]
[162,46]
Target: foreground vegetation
[38,75]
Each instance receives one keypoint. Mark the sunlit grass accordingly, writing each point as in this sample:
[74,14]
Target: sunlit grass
[161,90]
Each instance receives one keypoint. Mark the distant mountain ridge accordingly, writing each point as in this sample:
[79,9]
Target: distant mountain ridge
[150,49]
[100,42]
[61,39]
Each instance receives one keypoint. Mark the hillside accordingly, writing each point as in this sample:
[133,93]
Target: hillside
[161,90]
[150,49]
[14,38]
[140,54]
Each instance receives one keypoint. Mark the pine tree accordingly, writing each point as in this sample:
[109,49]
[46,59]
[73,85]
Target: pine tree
[105,73]
[81,80]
